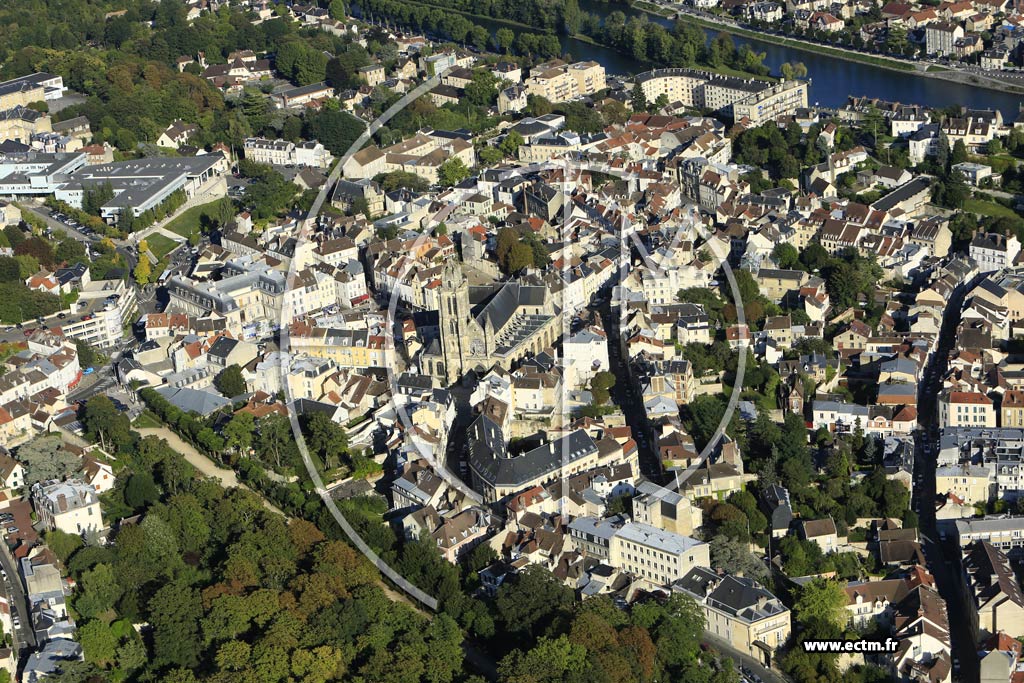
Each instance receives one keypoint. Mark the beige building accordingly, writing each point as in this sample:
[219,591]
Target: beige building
[758,101]
[738,610]
[557,81]
[1011,411]
[997,593]
[21,123]
[970,483]
[654,555]
[966,409]
[69,506]
[665,509]
[372,74]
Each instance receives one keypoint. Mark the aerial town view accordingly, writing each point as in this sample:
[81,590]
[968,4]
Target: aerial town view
[442,341]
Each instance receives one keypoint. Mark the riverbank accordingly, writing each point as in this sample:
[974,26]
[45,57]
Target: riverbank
[901,66]
[583,39]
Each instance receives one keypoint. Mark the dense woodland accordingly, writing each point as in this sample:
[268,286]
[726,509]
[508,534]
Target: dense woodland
[233,591]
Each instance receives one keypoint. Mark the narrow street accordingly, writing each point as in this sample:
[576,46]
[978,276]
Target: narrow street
[926,452]
[24,638]
[625,396]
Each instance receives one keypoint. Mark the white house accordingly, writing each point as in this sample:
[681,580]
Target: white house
[70,506]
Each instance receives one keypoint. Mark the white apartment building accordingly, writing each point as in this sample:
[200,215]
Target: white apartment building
[655,555]
[285,153]
[966,409]
[103,309]
[69,506]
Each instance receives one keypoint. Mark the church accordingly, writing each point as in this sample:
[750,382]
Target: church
[483,326]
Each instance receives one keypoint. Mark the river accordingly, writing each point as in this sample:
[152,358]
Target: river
[832,80]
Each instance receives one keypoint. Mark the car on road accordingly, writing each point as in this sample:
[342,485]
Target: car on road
[17,622]
[62,315]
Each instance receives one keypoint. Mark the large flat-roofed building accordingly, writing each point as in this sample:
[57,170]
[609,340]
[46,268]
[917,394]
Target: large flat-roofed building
[103,309]
[740,98]
[37,87]
[560,82]
[778,100]
[142,184]
[654,555]
[37,173]
[1005,533]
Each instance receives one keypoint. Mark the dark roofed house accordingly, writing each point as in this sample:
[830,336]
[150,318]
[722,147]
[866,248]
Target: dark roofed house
[820,531]
[739,610]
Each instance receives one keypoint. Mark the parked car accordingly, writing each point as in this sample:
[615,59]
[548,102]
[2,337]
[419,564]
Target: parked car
[88,371]
[12,529]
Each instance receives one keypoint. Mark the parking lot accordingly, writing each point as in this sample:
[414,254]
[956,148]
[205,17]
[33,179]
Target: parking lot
[18,516]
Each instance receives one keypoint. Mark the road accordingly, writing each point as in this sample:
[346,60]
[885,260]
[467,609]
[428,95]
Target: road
[23,637]
[926,452]
[626,397]
[741,659]
[120,246]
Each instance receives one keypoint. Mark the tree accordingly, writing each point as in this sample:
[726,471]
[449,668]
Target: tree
[230,382]
[140,492]
[327,439]
[63,544]
[510,145]
[175,611]
[99,591]
[639,99]
[733,557]
[45,458]
[786,255]
[959,154]
[551,661]
[69,252]
[276,445]
[822,605]
[482,89]
[600,387]
[238,432]
[452,172]
[143,270]
[106,423]
[99,644]
[528,604]
[504,37]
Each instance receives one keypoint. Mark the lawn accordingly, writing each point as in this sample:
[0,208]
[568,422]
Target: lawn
[987,208]
[161,245]
[147,419]
[191,220]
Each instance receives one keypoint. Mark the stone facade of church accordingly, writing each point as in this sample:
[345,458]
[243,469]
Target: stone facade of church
[480,327]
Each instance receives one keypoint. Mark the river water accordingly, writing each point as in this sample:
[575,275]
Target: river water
[832,80]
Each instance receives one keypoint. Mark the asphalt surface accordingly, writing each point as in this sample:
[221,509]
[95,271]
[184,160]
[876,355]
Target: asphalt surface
[23,636]
[926,452]
[626,397]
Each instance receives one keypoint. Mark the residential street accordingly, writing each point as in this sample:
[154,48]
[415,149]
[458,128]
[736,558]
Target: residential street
[926,451]
[23,637]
